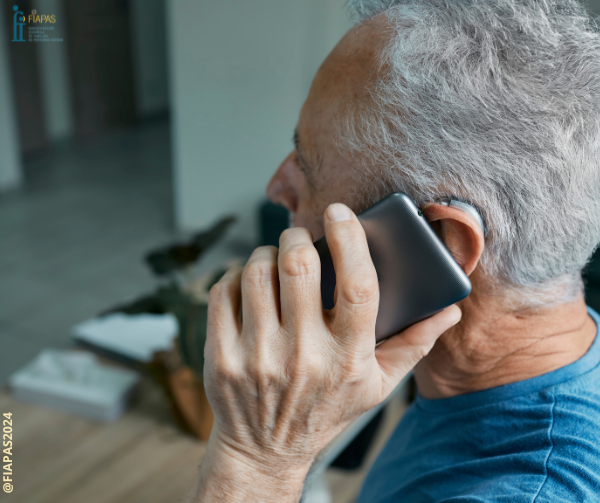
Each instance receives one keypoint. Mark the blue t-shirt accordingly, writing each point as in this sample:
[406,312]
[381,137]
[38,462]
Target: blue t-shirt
[536,440]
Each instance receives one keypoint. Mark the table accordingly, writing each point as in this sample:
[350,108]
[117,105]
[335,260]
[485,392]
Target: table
[141,458]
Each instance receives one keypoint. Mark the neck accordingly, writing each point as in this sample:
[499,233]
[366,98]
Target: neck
[492,346]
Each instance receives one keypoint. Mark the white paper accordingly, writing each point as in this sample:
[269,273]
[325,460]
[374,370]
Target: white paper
[134,336]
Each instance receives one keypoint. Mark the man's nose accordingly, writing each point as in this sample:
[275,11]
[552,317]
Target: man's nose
[280,189]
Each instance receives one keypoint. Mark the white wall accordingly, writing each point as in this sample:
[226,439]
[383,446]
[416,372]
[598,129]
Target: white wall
[150,56]
[55,84]
[10,160]
[149,59]
[240,72]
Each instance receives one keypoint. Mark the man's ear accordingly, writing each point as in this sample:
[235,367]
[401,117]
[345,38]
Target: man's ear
[459,231]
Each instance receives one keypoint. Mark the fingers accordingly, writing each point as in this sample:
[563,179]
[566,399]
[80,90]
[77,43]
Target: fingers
[300,280]
[260,291]
[223,307]
[357,288]
[399,354]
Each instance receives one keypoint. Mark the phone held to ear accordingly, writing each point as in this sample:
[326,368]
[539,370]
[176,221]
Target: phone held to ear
[418,277]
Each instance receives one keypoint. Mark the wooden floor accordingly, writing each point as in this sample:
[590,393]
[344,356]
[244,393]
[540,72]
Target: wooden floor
[59,457]
[141,458]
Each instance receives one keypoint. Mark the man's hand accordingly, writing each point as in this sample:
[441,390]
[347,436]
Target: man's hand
[283,375]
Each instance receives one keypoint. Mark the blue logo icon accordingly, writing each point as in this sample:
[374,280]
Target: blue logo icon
[18,23]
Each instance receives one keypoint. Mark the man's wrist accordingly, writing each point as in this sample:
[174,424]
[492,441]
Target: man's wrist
[227,476]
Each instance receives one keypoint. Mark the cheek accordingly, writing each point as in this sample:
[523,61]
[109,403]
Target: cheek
[310,218]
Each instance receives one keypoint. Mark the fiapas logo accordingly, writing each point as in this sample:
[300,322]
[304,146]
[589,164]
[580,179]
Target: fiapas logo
[19,21]
[34,17]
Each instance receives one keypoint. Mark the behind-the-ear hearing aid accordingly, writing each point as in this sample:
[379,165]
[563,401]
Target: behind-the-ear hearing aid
[467,208]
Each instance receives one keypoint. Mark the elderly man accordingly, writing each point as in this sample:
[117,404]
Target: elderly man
[495,102]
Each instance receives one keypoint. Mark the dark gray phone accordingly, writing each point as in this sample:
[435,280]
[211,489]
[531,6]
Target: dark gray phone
[418,276]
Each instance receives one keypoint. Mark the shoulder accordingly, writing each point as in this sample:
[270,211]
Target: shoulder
[539,447]
[573,464]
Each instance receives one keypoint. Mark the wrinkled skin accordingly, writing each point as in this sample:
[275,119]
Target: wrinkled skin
[284,376]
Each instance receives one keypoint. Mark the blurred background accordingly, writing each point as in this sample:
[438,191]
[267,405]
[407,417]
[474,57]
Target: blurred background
[151,119]
[127,126]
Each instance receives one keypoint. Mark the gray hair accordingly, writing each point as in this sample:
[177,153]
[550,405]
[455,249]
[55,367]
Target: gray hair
[496,102]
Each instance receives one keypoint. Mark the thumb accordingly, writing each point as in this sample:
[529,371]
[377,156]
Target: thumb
[399,354]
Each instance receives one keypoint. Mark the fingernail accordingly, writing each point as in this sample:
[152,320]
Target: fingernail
[338,212]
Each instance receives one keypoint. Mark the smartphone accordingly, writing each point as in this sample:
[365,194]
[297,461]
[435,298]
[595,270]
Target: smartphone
[417,275]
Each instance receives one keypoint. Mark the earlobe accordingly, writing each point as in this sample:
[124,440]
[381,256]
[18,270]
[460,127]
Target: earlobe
[459,231]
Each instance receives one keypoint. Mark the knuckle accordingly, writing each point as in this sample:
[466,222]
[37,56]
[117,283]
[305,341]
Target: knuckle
[300,260]
[360,290]
[222,370]
[219,291]
[263,375]
[225,287]
[305,368]
[311,366]
[258,270]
